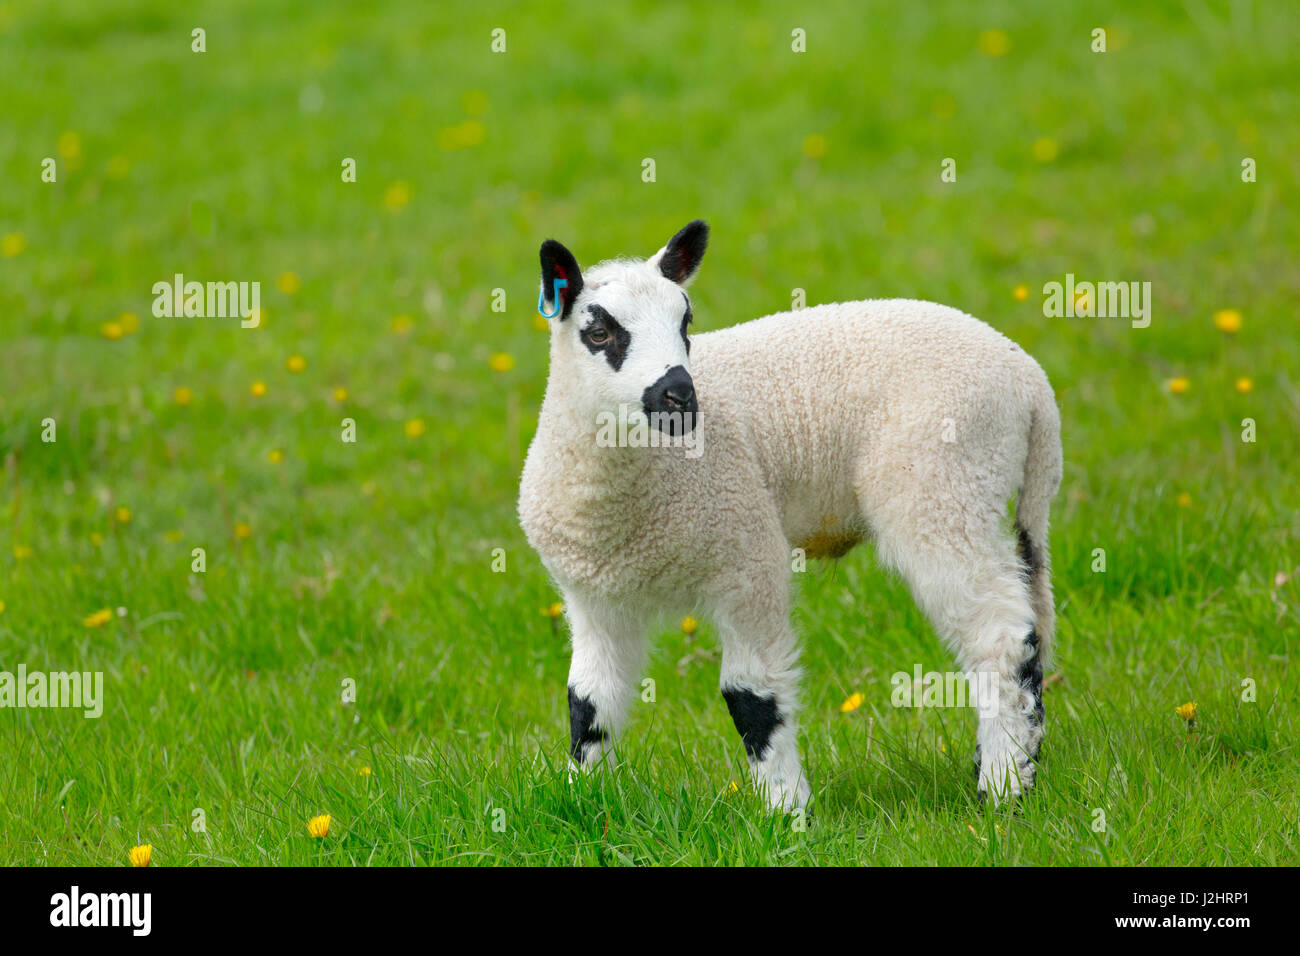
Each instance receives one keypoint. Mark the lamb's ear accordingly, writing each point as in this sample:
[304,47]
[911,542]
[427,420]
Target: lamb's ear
[680,259]
[558,263]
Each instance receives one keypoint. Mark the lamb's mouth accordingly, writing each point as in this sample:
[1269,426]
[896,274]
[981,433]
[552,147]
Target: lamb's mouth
[670,403]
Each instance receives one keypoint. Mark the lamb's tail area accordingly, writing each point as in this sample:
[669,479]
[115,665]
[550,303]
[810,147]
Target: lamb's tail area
[1043,465]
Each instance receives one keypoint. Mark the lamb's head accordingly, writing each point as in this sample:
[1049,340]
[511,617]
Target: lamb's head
[620,331]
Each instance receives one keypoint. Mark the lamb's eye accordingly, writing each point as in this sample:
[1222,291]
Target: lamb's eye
[597,336]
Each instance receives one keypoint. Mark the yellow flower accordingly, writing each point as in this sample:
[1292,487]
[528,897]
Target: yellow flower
[258,389]
[397,196]
[96,539]
[243,530]
[815,145]
[1244,385]
[1044,149]
[994,43]
[21,551]
[2,607]
[851,703]
[319,826]
[183,395]
[1186,711]
[1184,500]
[540,323]
[732,788]
[122,514]
[112,330]
[414,428]
[689,625]
[1021,292]
[98,619]
[141,855]
[1178,386]
[1228,320]
[172,536]
[288,283]
[275,456]
[364,771]
[462,135]
[401,324]
[130,322]
[553,610]
[340,394]
[69,145]
[501,362]
[295,363]
[118,167]
[12,244]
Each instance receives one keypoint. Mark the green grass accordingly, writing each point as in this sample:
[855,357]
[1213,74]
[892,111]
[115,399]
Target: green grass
[371,561]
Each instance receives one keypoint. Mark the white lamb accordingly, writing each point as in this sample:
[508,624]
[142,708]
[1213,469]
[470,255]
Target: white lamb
[909,423]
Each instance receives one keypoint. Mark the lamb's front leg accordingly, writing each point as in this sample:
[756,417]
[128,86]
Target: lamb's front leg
[608,655]
[760,682]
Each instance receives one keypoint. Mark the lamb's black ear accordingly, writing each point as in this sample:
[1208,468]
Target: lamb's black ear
[558,263]
[680,259]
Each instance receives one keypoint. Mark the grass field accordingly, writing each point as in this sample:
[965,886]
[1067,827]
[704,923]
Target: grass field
[371,561]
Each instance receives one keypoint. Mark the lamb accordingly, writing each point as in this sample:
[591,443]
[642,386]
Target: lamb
[904,422]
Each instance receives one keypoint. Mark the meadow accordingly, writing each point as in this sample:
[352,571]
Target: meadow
[348,648]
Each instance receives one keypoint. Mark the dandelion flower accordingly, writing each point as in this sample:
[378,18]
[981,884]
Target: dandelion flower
[98,619]
[994,43]
[96,539]
[275,456]
[243,530]
[1020,292]
[12,244]
[258,389]
[501,362]
[414,428]
[1184,500]
[540,323]
[397,196]
[183,395]
[112,330]
[815,145]
[1178,386]
[21,551]
[851,703]
[689,625]
[1244,385]
[402,324]
[319,826]
[1186,711]
[364,771]
[2,607]
[733,788]
[288,283]
[340,394]
[1044,149]
[295,364]
[123,515]
[141,855]
[1228,320]
[69,145]
[553,610]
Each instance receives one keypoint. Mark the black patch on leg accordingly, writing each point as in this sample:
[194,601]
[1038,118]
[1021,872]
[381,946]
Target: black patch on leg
[755,718]
[582,725]
[1031,678]
[1029,556]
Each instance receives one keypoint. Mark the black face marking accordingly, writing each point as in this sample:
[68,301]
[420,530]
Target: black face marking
[686,320]
[558,263]
[582,725]
[1031,678]
[684,251]
[755,718]
[604,334]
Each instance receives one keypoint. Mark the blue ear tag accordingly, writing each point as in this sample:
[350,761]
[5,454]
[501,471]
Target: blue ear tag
[541,298]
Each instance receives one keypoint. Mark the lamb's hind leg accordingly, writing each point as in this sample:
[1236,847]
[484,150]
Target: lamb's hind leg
[973,590]
[760,678]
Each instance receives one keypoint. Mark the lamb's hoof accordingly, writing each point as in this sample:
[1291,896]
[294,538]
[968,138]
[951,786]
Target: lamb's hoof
[785,798]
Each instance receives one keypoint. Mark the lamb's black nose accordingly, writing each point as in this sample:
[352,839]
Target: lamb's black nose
[670,402]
